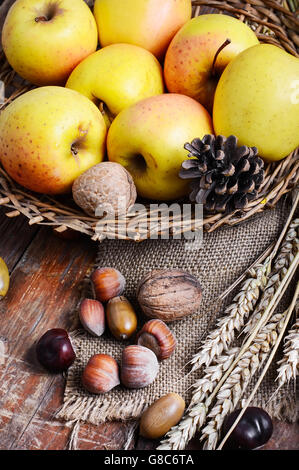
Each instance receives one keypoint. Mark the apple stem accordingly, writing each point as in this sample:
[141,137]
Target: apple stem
[226,43]
[38,19]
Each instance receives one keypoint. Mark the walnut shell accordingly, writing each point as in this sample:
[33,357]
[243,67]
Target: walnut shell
[105,185]
[169,294]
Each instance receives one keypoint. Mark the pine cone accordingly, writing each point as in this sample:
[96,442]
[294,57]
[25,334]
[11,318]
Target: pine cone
[225,177]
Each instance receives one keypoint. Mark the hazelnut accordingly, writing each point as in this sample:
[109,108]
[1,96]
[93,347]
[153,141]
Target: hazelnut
[121,318]
[107,283]
[156,335]
[139,367]
[161,416]
[169,294]
[106,187]
[101,374]
[92,316]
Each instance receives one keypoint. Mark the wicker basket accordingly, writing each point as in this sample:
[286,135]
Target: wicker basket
[274,22]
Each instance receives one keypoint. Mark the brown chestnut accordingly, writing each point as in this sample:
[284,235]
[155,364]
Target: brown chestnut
[54,350]
[121,318]
[159,418]
[156,336]
[101,374]
[108,283]
[139,367]
[92,316]
[169,294]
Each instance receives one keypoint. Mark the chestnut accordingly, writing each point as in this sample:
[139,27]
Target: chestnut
[121,318]
[54,350]
[92,316]
[100,374]
[156,335]
[108,283]
[253,430]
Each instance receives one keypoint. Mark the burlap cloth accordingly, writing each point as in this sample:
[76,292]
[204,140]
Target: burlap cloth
[224,256]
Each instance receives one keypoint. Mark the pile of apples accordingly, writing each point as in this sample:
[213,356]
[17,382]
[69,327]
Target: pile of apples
[159,80]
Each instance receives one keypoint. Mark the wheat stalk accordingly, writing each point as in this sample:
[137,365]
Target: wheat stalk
[195,417]
[233,320]
[289,364]
[288,314]
[236,384]
[178,437]
[245,301]
[282,262]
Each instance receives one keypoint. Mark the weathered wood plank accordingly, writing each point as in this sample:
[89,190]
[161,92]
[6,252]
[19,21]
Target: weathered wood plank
[15,237]
[43,294]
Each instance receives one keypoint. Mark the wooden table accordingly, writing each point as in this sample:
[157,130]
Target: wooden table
[46,272]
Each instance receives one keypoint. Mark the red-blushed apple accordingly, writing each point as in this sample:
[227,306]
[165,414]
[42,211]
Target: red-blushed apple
[49,136]
[192,65]
[44,40]
[118,76]
[148,140]
[147,23]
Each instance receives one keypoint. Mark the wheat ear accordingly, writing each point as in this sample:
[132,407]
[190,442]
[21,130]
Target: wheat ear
[179,436]
[287,317]
[289,364]
[236,384]
[234,318]
[286,255]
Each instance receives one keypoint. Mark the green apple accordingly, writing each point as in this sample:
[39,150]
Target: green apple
[44,40]
[148,140]
[192,66]
[146,23]
[257,99]
[49,136]
[118,76]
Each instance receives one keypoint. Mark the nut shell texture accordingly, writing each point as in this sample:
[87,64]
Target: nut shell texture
[169,294]
[92,316]
[139,367]
[161,416]
[101,374]
[121,318]
[106,187]
[108,283]
[156,336]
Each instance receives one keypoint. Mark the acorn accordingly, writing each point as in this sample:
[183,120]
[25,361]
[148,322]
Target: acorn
[159,418]
[156,335]
[108,283]
[121,318]
[92,316]
[139,367]
[101,374]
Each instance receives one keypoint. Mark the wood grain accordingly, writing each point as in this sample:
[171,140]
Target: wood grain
[46,273]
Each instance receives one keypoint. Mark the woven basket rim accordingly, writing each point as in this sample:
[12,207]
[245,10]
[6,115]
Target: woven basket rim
[274,22]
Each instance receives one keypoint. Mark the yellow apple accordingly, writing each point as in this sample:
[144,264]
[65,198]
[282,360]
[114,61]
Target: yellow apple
[147,23]
[257,99]
[190,57]
[49,136]
[118,76]
[148,140]
[44,40]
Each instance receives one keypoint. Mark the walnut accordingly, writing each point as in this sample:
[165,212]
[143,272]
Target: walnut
[105,185]
[169,294]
